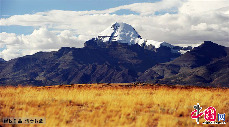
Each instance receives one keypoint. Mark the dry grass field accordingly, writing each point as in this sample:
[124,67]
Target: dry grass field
[111,105]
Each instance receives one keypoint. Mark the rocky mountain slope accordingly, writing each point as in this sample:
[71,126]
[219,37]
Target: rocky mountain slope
[207,64]
[116,62]
[2,60]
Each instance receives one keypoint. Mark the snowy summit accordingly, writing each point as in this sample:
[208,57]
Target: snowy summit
[125,33]
[121,32]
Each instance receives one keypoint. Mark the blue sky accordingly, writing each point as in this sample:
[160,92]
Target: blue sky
[30,26]
[20,7]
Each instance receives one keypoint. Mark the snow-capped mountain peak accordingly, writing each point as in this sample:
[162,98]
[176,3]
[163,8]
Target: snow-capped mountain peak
[121,32]
[125,33]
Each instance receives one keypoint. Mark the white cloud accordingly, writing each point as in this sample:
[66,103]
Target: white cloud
[194,22]
[202,6]
[149,8]
[39,40]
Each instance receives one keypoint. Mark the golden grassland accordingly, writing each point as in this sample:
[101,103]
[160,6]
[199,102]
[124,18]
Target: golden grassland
[96,105]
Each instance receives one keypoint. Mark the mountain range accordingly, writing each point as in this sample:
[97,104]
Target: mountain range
[119,54]
[207,64]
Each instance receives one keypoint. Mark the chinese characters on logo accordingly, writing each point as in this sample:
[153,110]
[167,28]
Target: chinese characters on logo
[209,115]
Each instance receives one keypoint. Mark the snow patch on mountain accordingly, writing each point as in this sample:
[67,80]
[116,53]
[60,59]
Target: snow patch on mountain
[158,44]
[183,51]
[187,45]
